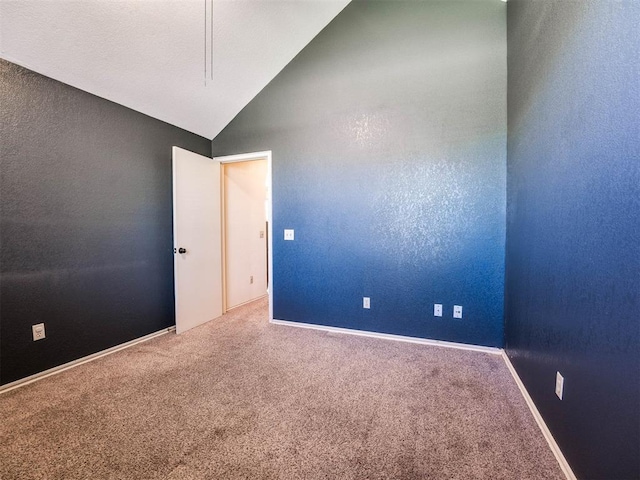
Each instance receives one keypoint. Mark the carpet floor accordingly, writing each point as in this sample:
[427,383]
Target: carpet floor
[239,398]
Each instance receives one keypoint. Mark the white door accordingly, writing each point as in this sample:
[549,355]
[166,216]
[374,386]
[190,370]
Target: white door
[197,239]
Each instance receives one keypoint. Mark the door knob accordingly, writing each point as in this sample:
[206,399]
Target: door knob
[182,250]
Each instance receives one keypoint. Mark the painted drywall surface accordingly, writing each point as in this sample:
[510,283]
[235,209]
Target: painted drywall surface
[573,228]
[388,134]
[86,233]
[245,193]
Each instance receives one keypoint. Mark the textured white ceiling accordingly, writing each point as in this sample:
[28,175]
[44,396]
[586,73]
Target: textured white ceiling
[149,55]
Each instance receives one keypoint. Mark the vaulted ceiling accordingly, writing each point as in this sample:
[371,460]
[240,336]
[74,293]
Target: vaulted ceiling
[158,56]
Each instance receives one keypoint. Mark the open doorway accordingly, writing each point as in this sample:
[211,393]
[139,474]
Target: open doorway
[246,228]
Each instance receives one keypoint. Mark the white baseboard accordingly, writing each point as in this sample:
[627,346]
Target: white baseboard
[564,465]
[247,302]
[388,336]
[61,368]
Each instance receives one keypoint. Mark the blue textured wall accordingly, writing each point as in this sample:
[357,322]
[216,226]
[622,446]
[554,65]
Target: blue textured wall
[388,134]
[573,228]
[85,222]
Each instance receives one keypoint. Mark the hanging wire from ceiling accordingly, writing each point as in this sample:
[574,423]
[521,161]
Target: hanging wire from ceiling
[208,41]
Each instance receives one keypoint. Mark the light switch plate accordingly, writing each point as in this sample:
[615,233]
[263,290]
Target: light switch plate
[559,385]
[38,331]
[366,302]
[289,234]
[437,309]
[457,311]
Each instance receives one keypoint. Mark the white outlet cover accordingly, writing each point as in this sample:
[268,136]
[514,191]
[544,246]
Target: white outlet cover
[437,309]
[457,311]
[38,331]
[289,234]
[559,385]
[366,302]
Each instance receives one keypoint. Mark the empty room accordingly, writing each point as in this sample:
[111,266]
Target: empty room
[305,239]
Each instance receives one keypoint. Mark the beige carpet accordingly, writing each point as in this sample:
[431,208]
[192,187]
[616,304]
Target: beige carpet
[239,398]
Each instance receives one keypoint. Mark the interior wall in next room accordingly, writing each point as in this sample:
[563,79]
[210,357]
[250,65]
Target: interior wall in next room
[573,224]
[388,134]
[85,222]
[245,231]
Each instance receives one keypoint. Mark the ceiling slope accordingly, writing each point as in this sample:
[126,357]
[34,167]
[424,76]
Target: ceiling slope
[151,55]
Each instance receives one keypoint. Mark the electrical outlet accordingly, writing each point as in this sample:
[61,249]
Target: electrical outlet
[289,234]
[457,311]
[366,302]
[251,279]
[437,309]
[559,385]
[261,233]
[38,331]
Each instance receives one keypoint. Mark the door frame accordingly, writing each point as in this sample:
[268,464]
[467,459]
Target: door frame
[247,157]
